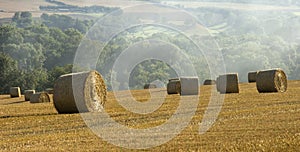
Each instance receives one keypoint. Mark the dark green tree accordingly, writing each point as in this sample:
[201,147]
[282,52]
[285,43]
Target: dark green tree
[35,79]
[23,19]
[16,17]
[57,71]
[29,56]
[149,71]
[8,74]
[10,34]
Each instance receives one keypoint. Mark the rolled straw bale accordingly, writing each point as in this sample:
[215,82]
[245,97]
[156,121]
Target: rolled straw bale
[149,86]
[209,82]
[88,88]
[228,83]
[49,90]
[173,79]
[28,94]
[218,84]
[189,86]
[15,92]
[252,76]
[40,97]
[51,97]
[173,87]
[274,80]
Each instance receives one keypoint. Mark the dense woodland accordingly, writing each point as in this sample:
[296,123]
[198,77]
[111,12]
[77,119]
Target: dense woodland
[34,52]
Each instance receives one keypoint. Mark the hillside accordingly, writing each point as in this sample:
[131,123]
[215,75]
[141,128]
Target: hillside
[9,7]
[246,6]
[249,121]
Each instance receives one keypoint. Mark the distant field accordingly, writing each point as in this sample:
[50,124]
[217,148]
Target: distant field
[24,5]
[235,6]
[249,121]
[9,7]
[109,3]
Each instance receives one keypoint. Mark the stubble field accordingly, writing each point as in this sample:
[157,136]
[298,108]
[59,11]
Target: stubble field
[248,121]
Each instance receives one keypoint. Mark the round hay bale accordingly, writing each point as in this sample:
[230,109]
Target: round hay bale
[150,86]
[218,84]
[40,97]
[252,76]
[228,83]
[209,82]
[51,97]
[88,88]
[189,86]
[15,92]
[173,79]
[28,94]
[174,87]
[49,90]
[274,80]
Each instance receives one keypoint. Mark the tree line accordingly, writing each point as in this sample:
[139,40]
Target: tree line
[35,52]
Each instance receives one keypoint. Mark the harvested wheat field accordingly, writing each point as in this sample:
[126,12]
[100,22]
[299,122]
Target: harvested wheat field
[249,121]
